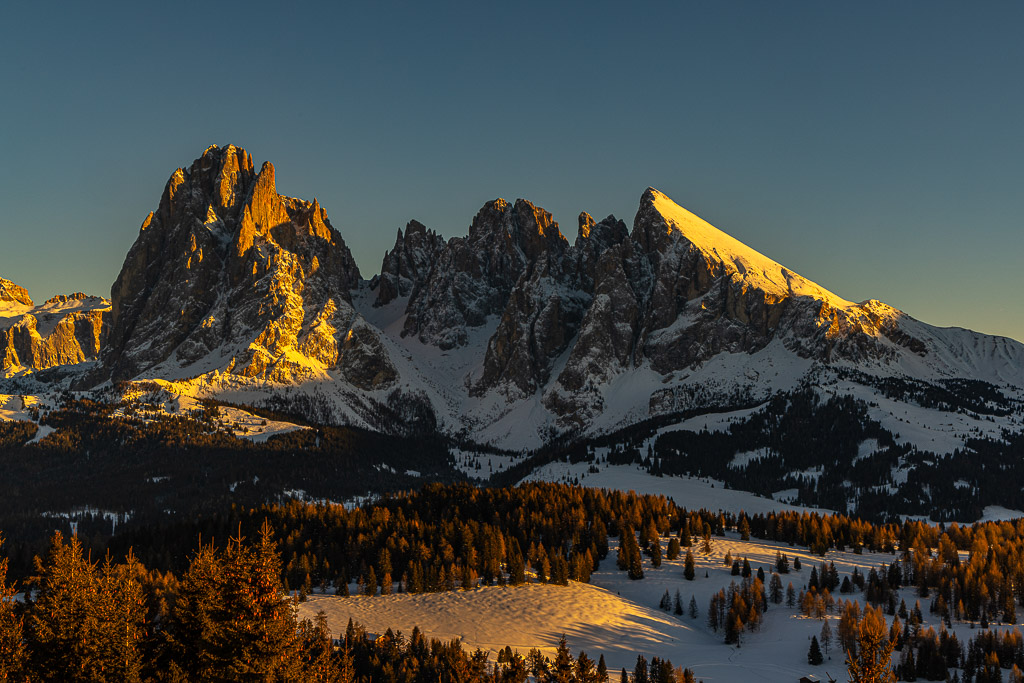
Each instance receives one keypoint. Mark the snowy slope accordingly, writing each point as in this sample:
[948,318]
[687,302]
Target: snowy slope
[620,618]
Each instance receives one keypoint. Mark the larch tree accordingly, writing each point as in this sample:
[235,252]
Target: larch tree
[873,661]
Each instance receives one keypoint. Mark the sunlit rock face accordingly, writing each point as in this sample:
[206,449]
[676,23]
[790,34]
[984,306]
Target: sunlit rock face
[228,274]
[65,330]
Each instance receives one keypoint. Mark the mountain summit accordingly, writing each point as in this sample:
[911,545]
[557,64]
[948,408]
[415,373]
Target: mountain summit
[228,275]
[509,335]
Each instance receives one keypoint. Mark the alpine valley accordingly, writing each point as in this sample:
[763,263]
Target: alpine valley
[242,356]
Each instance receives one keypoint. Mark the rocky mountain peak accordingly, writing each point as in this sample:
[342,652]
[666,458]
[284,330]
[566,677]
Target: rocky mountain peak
[227,262]
[12,293]
[536,231]
[473,276]
[408,263]
[65,330]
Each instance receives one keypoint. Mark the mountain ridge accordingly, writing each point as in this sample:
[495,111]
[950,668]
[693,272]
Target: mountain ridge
[510,333]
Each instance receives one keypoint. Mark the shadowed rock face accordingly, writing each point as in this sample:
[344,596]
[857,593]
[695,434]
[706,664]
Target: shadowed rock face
[473,276]
[408,264]
[229,272]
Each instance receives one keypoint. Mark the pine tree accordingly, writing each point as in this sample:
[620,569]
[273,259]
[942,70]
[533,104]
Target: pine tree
[121,620]
[196,637]
[674,549]
[12,646]
[629,554]
[370,583]
[263,632]
[640,670]
[563,667]
[678,604]
[602,670]
[320,664]
[689,566]
[744,527]
[694,613]
[685,534]
[775,589]
[706,546]
[586,670]
[62,626]
[814,657]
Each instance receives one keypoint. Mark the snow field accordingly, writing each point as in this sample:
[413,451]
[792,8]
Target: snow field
[620,618]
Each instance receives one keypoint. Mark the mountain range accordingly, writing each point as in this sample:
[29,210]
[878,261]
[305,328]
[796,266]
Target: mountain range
[510,336]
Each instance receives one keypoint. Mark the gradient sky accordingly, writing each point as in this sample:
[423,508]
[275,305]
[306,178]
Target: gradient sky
[874,147]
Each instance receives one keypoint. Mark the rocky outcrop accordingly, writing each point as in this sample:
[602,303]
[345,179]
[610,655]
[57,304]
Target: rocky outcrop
[11,293]
[545,309]
[408,264]
[228,274]
[473,276]
[65,330]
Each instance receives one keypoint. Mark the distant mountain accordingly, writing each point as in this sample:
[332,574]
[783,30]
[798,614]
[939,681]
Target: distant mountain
[64,331]
[511,335]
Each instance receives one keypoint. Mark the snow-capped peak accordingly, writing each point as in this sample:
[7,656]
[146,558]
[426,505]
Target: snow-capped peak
[753,266]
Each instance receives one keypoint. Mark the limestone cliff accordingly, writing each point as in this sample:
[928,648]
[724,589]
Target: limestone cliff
[229,275]
[65,330]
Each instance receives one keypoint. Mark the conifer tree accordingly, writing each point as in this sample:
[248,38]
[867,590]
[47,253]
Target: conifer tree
[775,589]
[62,625]
[826,635]
[586,670]
[656,553]
[814,657]
[196,637]
[121,620]
[685,534]
[263,632]
[744,527]
[640,670]
[12,647]
[689,566]
[706,546]
[872,663]
[320,664]
[694,613]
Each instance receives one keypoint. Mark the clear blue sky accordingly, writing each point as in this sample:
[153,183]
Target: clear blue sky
[875,147]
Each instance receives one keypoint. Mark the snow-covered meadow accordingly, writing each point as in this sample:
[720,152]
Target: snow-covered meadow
[620,618]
